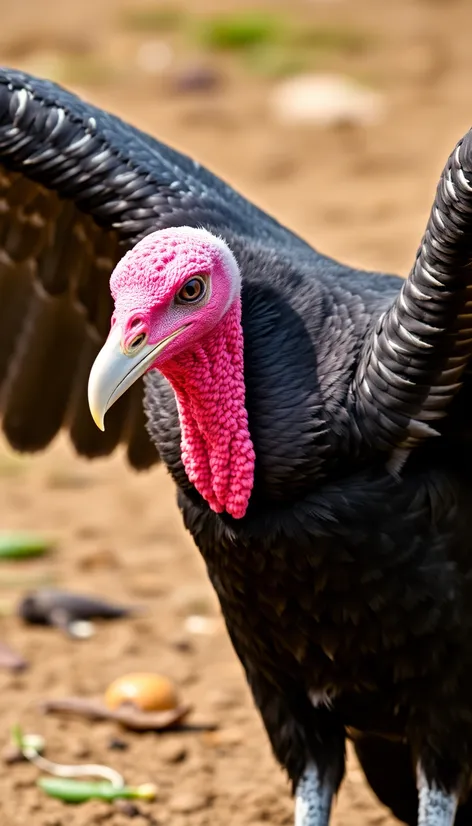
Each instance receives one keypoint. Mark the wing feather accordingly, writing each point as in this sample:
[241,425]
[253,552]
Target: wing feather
[78,187]
[39,381]
[417,357]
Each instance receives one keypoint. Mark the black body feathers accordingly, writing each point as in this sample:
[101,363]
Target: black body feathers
[347,587]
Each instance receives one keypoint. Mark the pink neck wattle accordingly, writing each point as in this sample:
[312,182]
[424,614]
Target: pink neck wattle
[217,450]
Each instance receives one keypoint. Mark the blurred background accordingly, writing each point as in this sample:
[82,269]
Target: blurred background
[336,116]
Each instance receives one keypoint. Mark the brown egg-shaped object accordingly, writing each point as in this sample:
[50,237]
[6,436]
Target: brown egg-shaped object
[146,691]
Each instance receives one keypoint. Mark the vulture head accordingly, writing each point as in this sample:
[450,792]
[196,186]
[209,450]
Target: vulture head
[178,310]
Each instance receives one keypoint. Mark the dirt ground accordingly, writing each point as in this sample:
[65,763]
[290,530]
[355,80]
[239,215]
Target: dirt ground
[359,194]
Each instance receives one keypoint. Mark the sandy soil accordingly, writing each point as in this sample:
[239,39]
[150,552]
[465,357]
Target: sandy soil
[361,195]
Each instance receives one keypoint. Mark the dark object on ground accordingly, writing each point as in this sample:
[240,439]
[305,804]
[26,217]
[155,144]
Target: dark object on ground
[62,609]
[115,744]
[196,78]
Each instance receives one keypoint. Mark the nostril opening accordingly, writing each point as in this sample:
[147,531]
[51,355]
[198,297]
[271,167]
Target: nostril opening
[136,334]
[137,341]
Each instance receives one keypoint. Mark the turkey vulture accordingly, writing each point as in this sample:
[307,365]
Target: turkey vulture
[315,419]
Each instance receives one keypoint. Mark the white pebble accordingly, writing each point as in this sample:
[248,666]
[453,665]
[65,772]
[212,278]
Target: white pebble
[82,629]
[326,100]
[204,626]
[154,56]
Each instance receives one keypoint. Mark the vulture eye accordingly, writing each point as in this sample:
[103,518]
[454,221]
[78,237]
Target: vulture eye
[192,291]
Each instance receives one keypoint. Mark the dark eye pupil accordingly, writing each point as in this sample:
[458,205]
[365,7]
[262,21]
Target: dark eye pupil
[192,290]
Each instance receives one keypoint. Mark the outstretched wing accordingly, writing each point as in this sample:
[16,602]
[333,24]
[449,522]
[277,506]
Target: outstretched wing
[77,188]
[417,358]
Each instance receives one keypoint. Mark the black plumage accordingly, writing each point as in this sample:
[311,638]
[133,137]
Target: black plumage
[347,586]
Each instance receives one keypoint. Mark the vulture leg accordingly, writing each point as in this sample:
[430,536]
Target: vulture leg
[436,807]
[308,742]
[313,797]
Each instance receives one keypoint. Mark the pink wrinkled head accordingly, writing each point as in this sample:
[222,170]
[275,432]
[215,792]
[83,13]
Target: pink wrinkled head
[146,282]
[186,283]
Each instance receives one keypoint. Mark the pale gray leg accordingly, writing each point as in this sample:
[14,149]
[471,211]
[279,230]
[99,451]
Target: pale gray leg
[436,808]
[312,799]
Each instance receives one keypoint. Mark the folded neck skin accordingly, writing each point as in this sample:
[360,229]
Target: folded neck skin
[208,382]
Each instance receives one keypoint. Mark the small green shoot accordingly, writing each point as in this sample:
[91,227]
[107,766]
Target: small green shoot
[239,31]
[27,743]
[22,545]
[63,787]
[79,791]
[17,736]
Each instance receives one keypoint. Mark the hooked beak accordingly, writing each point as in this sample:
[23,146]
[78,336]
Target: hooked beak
[114,371]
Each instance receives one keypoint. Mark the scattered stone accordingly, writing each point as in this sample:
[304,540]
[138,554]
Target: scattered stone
[117,744]
[81,750]
[326,100]
[188,676]
[188,802]
[145,584]
[221,699]
[194,598]
[196,78]
[103,558]
[182,643]
[68,480]
[239,714]
[202,626]
[154,57]
[81,629]
[10,660]
[122,819]
[12,754]
[276,166]
[223,737]
[171,751]
[88,532]
[127,808]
